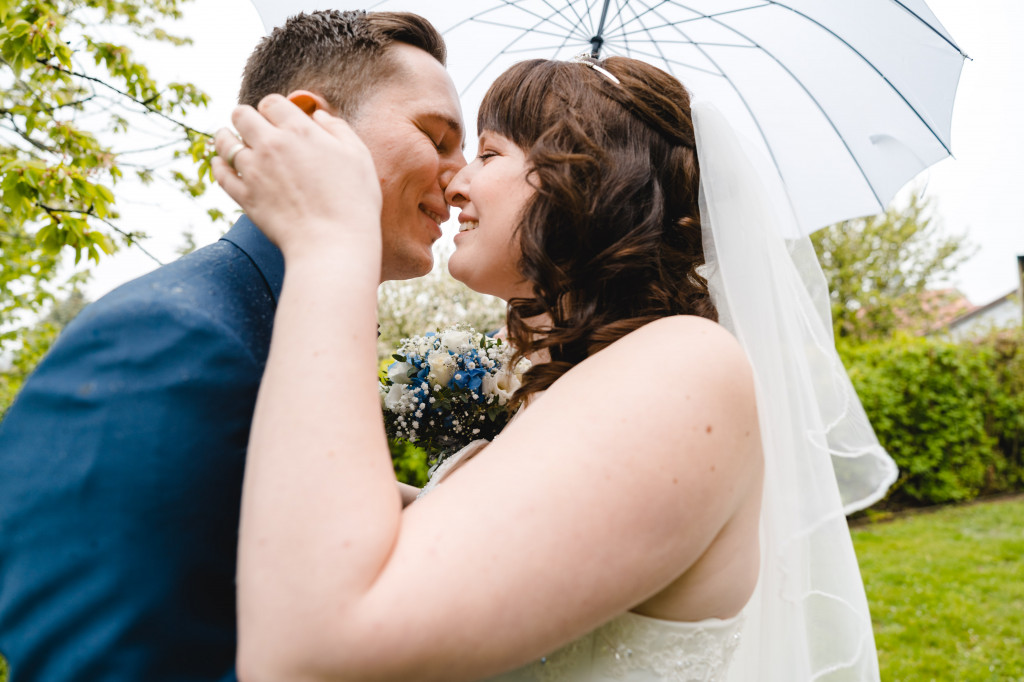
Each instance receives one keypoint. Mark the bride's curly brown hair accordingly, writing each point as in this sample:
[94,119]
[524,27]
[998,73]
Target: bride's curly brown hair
[611,239]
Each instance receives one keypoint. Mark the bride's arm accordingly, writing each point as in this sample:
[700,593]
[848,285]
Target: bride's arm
[604,491]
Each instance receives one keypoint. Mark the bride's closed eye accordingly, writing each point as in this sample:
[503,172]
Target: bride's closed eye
[483,156]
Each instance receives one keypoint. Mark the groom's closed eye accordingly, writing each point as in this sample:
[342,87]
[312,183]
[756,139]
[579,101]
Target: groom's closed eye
[444,131]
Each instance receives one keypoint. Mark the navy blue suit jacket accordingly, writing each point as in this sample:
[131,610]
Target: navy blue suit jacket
[121,472]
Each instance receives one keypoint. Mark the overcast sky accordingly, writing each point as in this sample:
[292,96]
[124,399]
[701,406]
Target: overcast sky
[978,193]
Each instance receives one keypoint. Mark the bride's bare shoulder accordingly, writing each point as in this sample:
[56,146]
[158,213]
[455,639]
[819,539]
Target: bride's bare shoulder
[683,343]
[665,363]
[683,327]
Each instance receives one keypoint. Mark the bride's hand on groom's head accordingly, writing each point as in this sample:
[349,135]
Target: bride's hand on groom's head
[308,182]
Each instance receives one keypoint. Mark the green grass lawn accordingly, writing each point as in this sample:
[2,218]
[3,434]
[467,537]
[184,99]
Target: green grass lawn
[947,593]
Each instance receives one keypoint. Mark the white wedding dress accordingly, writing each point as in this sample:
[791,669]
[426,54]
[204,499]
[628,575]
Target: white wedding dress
[631,647]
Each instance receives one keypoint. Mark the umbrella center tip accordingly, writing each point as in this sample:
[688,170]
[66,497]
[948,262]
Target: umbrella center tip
[595,46]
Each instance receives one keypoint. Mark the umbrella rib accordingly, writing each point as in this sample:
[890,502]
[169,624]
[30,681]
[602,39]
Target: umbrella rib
[706,44]
[568,27]
[514,4]
[671,24]
[935,30]
[590,17]
[523,34]
[579,19]
[554,55]
[621,5]
[657,46]
[566,40]
[865,60]
[684,65]
[661,55]
[700,16]
[533,29]
[739,93]
[526,50]
[558,11]
[653,42]
[473,17]
[806,91]
[636,17]
[688,65]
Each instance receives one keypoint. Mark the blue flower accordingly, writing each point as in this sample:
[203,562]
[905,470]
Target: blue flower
[468,379]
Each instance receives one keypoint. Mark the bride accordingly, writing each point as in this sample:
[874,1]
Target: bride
[664,506]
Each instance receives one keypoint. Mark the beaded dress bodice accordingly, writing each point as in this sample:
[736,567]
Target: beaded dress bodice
[635,648]
[631,647]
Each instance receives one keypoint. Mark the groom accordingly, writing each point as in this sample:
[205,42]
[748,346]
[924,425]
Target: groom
[121,461]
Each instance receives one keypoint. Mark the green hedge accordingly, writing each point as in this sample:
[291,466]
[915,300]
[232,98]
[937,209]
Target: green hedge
[951,415]
[410,463]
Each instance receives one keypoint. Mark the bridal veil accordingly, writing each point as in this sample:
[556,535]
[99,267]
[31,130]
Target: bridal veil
[808,618]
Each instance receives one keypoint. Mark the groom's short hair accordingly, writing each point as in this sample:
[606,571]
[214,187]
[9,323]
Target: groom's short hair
[339,55]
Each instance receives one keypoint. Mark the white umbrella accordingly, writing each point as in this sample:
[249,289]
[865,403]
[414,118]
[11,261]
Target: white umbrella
[849,99]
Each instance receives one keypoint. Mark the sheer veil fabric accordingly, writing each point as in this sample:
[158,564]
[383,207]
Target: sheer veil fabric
[808,618]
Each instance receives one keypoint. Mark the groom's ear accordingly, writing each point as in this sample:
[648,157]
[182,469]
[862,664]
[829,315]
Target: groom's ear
[310,101]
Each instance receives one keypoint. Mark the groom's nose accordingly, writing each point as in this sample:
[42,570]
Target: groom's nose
[451,164]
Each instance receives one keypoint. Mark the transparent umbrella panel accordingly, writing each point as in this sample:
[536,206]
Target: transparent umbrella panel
[847,99]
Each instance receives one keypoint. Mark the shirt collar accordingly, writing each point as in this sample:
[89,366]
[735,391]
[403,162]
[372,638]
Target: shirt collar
[265,256]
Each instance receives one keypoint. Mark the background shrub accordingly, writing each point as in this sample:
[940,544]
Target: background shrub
[1006,419]
[410,463]
[951,415]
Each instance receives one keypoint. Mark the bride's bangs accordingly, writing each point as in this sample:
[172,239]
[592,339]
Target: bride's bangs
[518,104]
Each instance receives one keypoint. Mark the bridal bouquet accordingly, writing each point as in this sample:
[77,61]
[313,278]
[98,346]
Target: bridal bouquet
[448,388]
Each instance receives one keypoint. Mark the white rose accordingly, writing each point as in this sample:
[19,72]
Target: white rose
[442,367]
[394,399]
[455,340]
[488,385]
[501,384]
[398,372]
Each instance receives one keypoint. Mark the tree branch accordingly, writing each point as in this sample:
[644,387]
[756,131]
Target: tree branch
[132,240]
[151,149]
[13,127]
[74,103]
[143,103]
[51,109]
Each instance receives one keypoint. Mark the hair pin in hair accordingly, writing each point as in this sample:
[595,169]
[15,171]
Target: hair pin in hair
[585,58]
